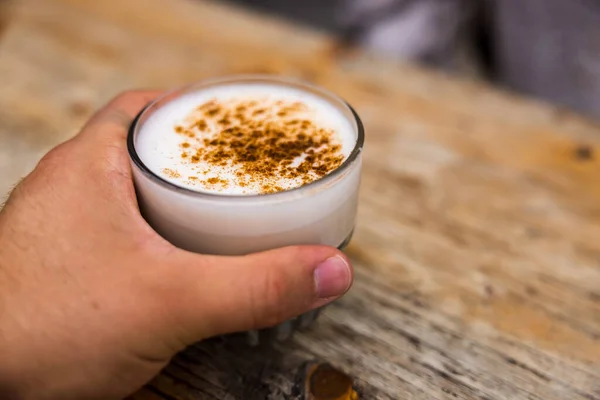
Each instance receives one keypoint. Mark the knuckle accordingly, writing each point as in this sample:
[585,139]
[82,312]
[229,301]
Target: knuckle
[276,286]
[270,309]
[55,157]
[52,167]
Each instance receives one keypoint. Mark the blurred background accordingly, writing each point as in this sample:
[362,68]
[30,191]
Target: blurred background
[545,48]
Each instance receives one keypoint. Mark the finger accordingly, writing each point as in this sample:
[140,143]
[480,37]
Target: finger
[116,117]
[100,148]
[229,294]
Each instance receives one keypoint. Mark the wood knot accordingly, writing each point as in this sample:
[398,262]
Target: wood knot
[80,108]
[584,153]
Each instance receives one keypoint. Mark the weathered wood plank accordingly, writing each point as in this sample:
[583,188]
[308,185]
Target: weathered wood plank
[478,259]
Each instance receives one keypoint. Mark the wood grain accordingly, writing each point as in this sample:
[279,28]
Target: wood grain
[478,246]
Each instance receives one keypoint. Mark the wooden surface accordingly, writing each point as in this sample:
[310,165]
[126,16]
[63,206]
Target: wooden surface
[477,251]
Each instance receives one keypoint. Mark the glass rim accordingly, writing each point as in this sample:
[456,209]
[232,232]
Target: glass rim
[273,79]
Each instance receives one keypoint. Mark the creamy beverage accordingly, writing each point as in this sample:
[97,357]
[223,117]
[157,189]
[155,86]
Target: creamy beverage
[244,164]
[245,139]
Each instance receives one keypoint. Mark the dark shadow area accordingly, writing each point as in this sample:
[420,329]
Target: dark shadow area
[318,13]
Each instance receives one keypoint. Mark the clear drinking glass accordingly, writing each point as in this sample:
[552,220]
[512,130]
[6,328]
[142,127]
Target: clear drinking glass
[321,212]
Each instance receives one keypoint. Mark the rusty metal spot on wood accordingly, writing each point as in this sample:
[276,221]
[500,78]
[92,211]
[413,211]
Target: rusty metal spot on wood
[324,382]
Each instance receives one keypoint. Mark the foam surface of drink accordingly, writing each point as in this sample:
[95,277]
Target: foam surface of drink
[245,139]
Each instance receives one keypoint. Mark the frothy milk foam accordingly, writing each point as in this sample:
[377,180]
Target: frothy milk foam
[160,146]
[238,140]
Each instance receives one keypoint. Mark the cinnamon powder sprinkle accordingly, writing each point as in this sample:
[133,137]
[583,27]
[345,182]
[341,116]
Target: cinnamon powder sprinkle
[260,142]
[171,173]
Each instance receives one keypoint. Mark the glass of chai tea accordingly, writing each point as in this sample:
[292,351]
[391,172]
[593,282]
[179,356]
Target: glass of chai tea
[242,164]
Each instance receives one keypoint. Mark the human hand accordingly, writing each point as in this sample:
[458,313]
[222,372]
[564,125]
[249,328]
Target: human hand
[93,303]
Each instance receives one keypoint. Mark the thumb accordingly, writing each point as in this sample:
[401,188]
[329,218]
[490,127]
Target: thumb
[229,294]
